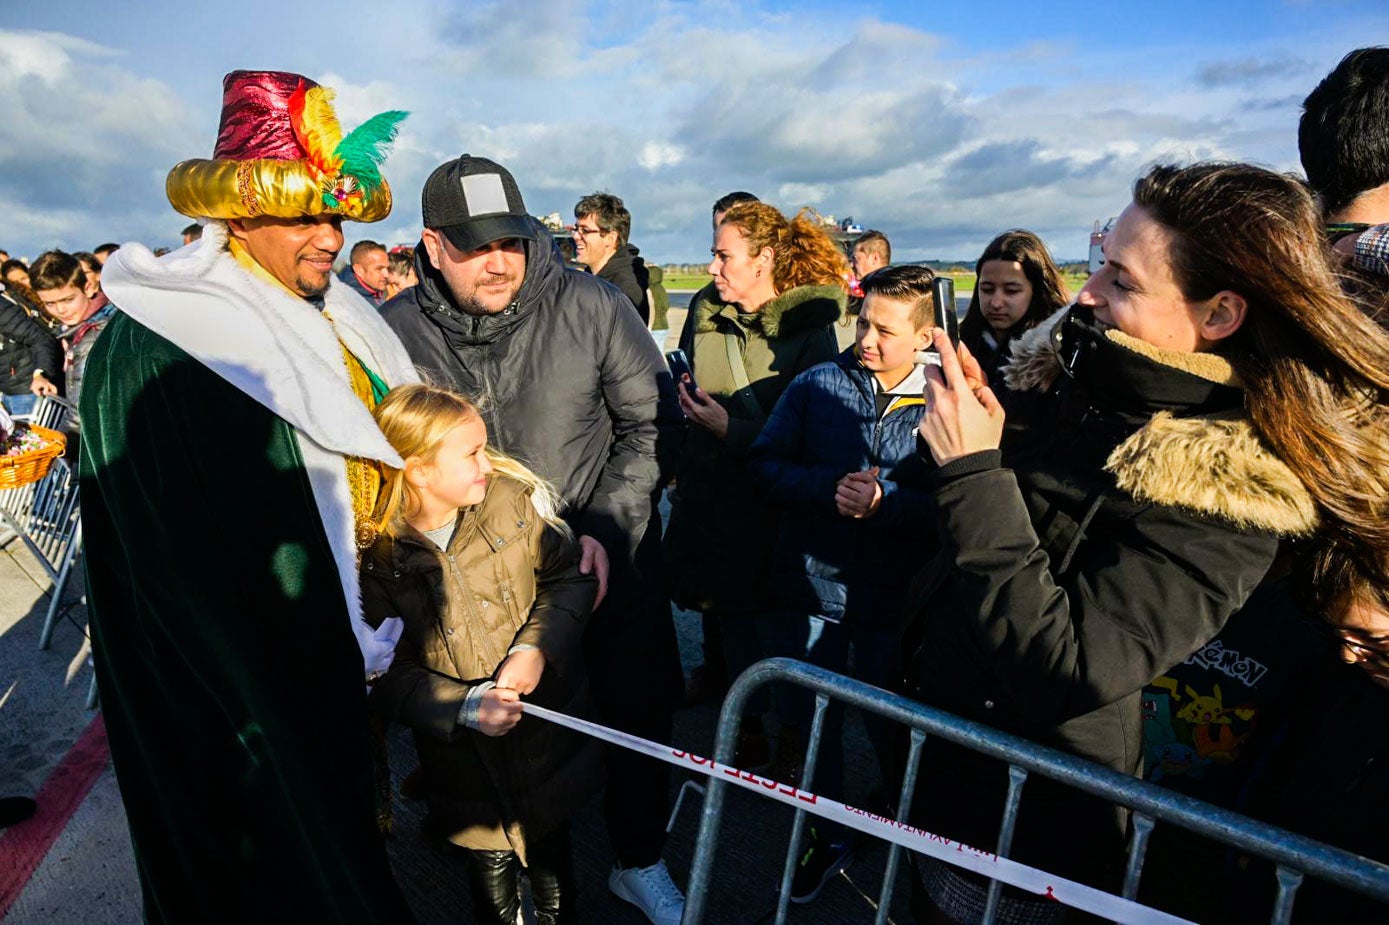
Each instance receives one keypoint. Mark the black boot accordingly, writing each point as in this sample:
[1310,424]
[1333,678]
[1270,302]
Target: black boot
[551,872]
[494,877]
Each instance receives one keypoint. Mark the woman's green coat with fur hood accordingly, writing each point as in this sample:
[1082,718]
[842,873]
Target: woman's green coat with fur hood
[718,516]
[1138,510]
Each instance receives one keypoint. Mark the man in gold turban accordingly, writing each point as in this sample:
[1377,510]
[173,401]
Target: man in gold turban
[227,467]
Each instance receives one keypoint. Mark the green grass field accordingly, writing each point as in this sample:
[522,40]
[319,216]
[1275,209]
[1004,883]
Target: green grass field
[685,280]
[964,282]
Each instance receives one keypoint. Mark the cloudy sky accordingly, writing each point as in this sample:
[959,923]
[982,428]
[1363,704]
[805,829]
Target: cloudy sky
[937,123]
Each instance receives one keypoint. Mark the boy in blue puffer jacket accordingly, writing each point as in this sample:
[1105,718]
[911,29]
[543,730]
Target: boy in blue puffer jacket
[838,454]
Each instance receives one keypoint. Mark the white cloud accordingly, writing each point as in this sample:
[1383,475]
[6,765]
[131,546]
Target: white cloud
[936,141]
[86,144]
[656,154]
[811,194]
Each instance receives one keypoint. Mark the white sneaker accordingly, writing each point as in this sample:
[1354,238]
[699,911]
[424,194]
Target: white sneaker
[651,890]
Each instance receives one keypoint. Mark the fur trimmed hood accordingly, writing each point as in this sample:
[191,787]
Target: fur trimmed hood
[1034,364]
[794,311]
[1214,465]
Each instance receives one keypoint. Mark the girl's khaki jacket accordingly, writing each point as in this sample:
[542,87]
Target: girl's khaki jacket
[507,578]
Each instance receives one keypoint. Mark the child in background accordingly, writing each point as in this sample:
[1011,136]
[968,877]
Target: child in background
[69,295]
[838,455]
[473,557]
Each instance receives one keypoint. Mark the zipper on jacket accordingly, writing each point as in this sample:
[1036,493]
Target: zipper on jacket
[480,636]
[868,392]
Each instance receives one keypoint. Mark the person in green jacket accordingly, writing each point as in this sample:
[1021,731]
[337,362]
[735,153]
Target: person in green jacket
[228,470]
[779,286]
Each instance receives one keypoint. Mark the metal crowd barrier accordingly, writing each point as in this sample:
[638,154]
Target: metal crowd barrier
[1294,856]
[46,516]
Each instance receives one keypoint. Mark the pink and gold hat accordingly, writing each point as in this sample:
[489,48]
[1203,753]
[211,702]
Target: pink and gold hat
[280,152]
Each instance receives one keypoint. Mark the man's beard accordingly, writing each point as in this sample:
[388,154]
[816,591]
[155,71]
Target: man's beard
[312,289]
[470,304]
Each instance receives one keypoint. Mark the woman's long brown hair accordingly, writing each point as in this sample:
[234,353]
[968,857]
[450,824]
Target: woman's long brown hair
[1049,290]
[1315,363]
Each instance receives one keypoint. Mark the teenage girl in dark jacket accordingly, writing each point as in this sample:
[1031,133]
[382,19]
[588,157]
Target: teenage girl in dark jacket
[1210,391]
[1017,287]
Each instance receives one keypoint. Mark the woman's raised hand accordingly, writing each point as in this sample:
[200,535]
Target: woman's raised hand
[962,414]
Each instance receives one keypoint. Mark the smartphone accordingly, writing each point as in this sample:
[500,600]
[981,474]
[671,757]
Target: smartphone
[943,295]
[680,368]
[943,300]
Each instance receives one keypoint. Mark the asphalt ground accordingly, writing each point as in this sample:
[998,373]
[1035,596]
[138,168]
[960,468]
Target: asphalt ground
[83,870]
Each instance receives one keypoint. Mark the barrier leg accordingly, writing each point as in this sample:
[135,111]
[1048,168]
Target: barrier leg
[904,805]
[711,814]
[55,606]
[812,753]
[1016,778]
[1288,882]
[1138,852]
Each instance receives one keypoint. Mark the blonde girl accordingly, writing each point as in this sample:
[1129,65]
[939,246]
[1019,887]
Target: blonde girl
[473,557]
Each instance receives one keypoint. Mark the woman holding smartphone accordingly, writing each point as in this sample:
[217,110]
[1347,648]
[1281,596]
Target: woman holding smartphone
[1211,391]
[780,286]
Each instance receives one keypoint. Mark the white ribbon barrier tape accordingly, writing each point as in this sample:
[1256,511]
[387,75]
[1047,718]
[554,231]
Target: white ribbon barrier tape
[1068,892]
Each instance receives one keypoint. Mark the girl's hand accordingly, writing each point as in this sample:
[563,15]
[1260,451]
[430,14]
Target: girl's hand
[703,410]
[521,671]
[858,494]
[961,417]
[499,711]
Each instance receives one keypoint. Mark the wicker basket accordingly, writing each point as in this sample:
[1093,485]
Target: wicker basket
[16,471]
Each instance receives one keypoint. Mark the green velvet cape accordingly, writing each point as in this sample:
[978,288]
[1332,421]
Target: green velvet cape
[231,682]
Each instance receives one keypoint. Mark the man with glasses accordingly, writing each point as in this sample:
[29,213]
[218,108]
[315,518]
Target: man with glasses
[602,225]
[570,381]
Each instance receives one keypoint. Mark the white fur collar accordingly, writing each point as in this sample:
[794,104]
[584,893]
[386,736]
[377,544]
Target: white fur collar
[269,344]
[285,354]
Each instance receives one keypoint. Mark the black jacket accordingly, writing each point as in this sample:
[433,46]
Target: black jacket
[627,272]
[568,378]
[24,347]
[1326,777]
[1137,512]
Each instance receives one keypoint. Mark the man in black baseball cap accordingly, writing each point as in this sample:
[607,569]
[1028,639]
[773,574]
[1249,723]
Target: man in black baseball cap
[571,382]
[474,224]
[473,201]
